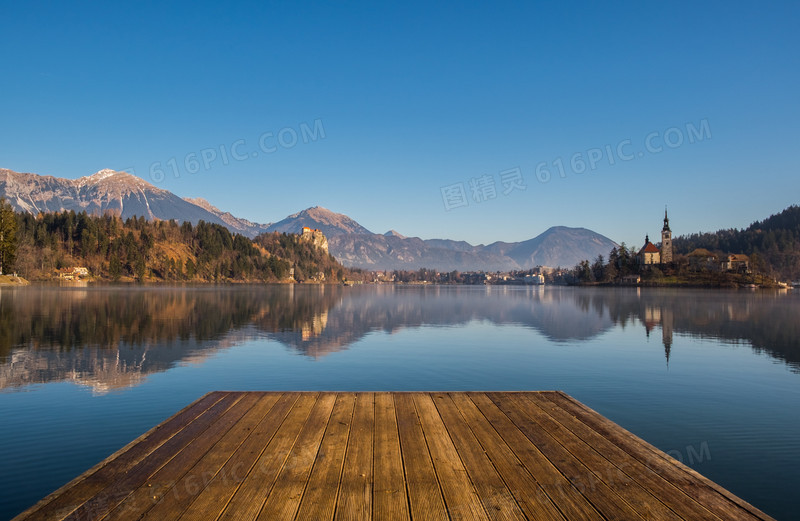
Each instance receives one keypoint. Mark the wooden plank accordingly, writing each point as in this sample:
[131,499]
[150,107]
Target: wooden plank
[692,483]
[496,498]
[321,492]
[424,494]
[390,501]
[210,501]
[603,498]
[246,501]
[355,490]
[635,495]
[396,456]
[285,496]
[118,489]
[66,499]
[175,500]
[159,483]
[522,488]
[683,505]
[503,437]
[460,496]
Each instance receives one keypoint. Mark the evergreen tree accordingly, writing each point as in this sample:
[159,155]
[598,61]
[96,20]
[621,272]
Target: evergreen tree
[115,267]
[8,237]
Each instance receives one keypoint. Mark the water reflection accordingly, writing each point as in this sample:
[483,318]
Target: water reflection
[109,338]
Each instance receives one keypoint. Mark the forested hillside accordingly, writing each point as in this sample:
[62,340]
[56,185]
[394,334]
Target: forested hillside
[773,244]
[137,249]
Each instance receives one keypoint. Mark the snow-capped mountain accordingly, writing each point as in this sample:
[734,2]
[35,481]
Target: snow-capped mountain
[111,192]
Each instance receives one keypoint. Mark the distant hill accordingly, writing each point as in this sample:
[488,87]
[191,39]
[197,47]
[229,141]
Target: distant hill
[355,246]
[558,246]
[379,252]
[233,223]
[118,193]
[330,223]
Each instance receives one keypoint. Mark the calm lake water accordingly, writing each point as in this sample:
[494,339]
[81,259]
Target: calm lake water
[711,377]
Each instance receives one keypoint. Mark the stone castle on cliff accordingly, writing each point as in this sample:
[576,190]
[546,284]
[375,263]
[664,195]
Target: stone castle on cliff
[316,237]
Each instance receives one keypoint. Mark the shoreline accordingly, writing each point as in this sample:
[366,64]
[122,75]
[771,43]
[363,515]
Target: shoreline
[11,280]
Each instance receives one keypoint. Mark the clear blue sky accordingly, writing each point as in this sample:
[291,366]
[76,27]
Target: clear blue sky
[698,105]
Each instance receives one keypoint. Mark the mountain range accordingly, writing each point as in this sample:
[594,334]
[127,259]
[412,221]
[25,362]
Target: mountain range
[125,195]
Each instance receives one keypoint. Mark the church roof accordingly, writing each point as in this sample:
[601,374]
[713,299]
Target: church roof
[650,248]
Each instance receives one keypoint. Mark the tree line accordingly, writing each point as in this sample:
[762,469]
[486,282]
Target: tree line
[772,245]
[137,249]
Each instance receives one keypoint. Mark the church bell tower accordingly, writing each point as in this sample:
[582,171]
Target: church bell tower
[666,240]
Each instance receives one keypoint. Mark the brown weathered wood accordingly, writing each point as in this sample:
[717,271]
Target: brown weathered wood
[322,488]
[424,495]
[463,501]
[390,501]
[636,496]
[521,486]
[87,485]
[284,499]
[175,500]
[503,437]
[683,505]
[494,495]
[395,456]
[608,501]
[247,500]
[210,501]
[705,491]
[159,483]
[118,489]
[355,491]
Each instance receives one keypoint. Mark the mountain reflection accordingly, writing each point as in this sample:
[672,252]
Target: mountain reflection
[110,337]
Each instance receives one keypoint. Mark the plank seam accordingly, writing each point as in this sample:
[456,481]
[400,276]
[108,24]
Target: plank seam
[552,463]
[591,449]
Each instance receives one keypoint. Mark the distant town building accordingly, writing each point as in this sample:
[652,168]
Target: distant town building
[536,279]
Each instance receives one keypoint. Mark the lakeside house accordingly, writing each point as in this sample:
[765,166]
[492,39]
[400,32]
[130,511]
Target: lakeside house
[735,262]
[73,273]
[632,279]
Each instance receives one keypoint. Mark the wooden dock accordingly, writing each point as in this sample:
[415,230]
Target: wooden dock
[386,456]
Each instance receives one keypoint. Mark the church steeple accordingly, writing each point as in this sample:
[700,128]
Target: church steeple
[666,240]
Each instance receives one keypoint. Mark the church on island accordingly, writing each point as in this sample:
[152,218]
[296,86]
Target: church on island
[651,254]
